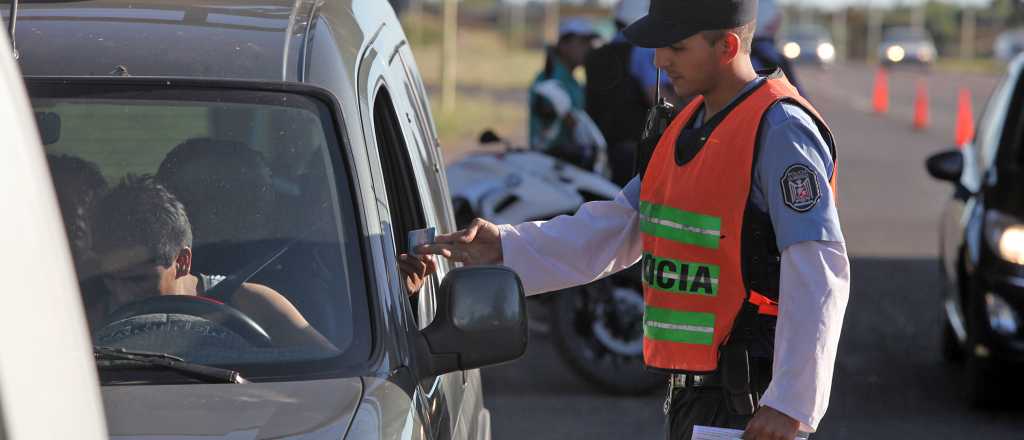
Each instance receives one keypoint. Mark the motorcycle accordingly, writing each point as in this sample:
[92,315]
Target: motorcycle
[597,328]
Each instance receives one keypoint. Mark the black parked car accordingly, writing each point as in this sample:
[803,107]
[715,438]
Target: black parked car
[982,244]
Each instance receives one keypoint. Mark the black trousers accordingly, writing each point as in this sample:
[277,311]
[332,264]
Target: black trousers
[707,405]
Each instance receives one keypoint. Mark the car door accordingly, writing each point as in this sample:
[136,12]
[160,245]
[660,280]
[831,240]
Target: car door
[436,201]
[961,215]
[407,210]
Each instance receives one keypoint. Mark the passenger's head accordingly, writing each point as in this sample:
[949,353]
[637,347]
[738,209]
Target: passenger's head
[78,183]
[143,239]
[225,187]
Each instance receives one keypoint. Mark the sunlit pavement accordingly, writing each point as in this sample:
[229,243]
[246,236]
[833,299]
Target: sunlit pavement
[890,381]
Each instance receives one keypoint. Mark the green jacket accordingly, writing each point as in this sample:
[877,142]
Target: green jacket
[538,124]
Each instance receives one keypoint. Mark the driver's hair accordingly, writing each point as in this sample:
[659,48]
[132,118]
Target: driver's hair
[140,211]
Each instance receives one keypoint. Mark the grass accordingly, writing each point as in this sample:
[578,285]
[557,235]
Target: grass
[492,78]
[982,66]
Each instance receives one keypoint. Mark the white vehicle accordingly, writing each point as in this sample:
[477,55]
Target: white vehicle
[46,370]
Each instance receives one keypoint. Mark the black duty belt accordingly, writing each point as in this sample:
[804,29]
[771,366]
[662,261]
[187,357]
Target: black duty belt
[695,380]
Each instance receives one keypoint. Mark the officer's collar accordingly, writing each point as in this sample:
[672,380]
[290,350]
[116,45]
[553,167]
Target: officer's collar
[692,140]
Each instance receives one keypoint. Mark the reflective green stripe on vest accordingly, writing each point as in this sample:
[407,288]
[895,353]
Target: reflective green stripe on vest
[676,276]
[678,225]
[685,327]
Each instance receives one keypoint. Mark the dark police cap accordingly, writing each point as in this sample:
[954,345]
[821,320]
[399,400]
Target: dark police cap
[669,21]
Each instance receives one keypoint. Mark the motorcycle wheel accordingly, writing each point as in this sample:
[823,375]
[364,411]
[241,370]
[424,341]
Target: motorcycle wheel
[598,331]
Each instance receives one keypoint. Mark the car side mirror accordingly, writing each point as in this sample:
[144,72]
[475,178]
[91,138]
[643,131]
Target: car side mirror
[947,165]
[480,321]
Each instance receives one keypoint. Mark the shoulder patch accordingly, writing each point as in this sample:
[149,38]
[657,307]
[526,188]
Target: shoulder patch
[800,188]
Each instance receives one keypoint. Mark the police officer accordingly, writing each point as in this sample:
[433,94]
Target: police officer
[735,220]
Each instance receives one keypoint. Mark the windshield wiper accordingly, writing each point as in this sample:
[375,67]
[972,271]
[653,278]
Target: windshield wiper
[110,357]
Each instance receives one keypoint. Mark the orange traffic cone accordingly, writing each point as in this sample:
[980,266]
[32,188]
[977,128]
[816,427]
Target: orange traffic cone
[880,99]
[921,118]
[964,118]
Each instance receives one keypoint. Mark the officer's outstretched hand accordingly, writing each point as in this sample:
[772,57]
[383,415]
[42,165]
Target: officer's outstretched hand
[480,243]
[769,424]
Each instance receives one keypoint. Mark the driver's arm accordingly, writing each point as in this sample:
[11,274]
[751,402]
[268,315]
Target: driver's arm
[282,321]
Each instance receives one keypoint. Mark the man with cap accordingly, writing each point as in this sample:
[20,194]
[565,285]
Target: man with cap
[746,276]
[764,52]
[555,94]
[621,86]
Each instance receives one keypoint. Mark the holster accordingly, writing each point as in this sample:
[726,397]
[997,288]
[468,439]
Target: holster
[734,361]
[735,365]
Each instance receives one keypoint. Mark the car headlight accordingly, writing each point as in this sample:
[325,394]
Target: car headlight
[791,50]
[1005,235]
[895,53]
[1001,316]
[826,51]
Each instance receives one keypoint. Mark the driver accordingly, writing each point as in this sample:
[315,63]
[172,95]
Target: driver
[143,239]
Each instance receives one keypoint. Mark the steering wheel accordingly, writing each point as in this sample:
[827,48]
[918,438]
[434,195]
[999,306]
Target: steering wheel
[205,309]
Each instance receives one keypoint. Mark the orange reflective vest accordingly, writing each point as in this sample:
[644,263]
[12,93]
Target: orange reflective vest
[694,220]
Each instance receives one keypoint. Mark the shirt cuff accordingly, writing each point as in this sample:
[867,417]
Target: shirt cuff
[807,423]
[513,249]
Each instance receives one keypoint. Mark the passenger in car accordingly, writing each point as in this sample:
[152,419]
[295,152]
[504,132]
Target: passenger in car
[143,239]
[79,184]
[225,187]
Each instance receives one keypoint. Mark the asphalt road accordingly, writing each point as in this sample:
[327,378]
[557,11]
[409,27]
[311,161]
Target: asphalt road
[890,382]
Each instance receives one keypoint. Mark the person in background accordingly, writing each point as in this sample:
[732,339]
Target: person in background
[764,50]
[557,99]
[79,184]
[621,87]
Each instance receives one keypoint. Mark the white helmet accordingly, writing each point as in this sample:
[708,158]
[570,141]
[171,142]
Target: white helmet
[628,11]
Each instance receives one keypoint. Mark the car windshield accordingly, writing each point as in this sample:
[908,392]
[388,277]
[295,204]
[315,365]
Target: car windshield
[806,33]
[905,34]
[212,224]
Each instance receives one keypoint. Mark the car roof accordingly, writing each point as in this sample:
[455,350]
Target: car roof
[227,39]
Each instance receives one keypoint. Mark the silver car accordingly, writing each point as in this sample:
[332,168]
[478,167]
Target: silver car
[905,46]
[238,179]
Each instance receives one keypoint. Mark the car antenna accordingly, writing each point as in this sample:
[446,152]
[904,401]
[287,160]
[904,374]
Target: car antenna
[12,20]
[120,70]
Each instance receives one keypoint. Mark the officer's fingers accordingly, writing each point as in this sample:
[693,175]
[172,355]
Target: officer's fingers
[754,430]
[453,252]
[472,230]
[450,238]
[442,249]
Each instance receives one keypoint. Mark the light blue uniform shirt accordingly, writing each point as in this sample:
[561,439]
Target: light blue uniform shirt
[788,137]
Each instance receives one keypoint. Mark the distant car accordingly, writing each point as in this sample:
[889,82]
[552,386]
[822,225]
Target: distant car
[906,45]
[981,243]
[298,142]
[808,44]
[1008,44]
